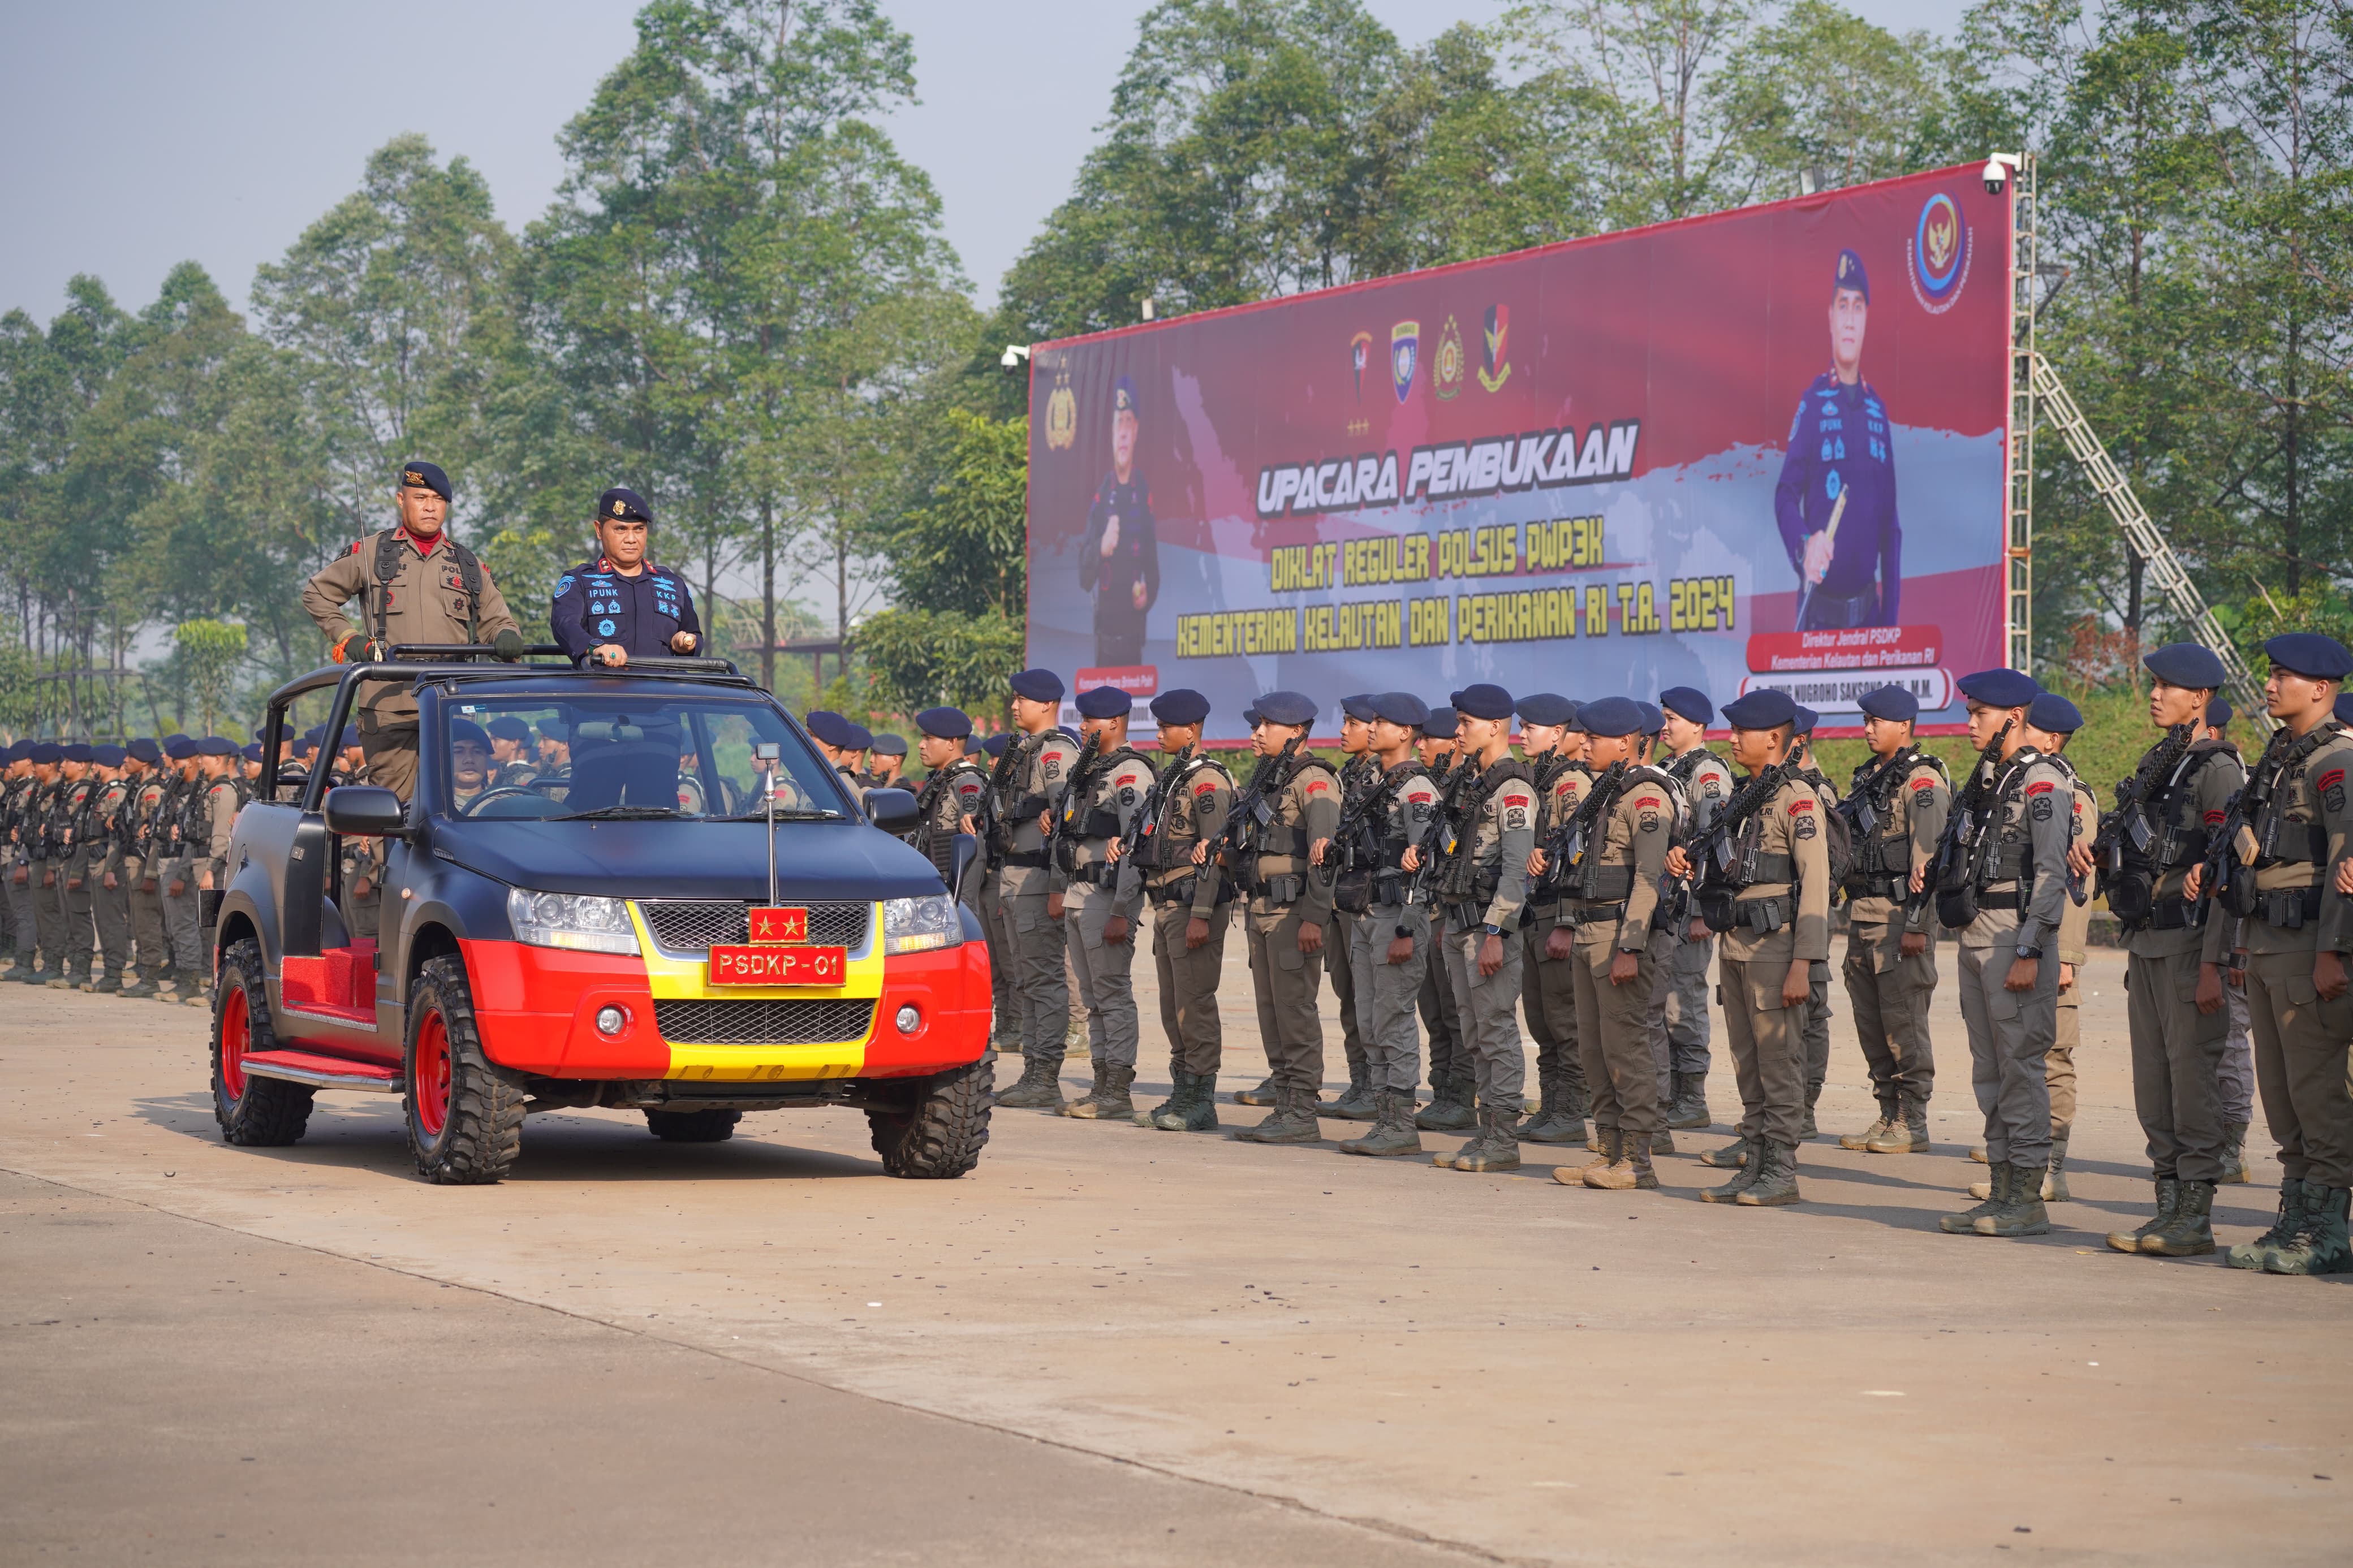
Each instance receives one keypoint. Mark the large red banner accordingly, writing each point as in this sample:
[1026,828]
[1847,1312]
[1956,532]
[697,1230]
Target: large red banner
[1764,448]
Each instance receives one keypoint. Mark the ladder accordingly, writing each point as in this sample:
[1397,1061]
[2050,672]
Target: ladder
[2142,536]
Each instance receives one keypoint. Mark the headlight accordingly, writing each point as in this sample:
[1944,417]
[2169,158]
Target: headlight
[571,920]
[917,925]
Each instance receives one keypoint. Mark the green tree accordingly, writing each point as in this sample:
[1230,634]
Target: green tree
[209,652]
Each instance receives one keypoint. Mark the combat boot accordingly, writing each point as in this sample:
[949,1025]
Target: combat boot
[1201,1111]
[2256,1254]
[1689,1113]
[1292,1120]
[1777,1180]
[1178,1078]
[1574,1175]
[1907,1134]
[2168,1194]
[1733,1157]
[1663,1141]
[1355,1103]
[1541,1127]
[1888,1122]
[1746,1178]
[1807,1129]
[1631,1170]
[1392,1131]
[1497,1147]
[2054,1176]
[1084,1105]
[1036,1089]
[2190,1231]
[1977,1152]
[1109,1102]
[110,985]
[2023,1214]
[1965,1222]
[1561,1120]
[2320,1244]
[1448,1110]
[140,985]
[1263,1095]
[2234,1154]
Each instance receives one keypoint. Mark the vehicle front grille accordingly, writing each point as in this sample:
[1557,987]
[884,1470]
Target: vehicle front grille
[691,925]
[751,1023]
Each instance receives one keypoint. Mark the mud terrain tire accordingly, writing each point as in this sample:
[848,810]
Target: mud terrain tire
[693,1126]
[253,1112]
[941,1133]
[465,1121]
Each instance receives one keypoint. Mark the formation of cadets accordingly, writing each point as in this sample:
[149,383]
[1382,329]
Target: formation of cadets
[1449,888]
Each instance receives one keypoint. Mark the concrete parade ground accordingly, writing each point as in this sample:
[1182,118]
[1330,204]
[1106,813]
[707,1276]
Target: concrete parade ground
[1109,1346]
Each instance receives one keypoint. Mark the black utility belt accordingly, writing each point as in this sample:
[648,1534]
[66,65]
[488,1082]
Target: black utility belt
[2290,909]
[1762,917]
[1182,890]
[1023,860]
[1101,875]
[1579,912]
[1896,888]
[2012,899]
[1280,890]
[2176,913]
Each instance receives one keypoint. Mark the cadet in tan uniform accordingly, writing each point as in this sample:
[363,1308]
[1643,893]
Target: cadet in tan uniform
[842,743]
[1005,997]
[1392,933]
[2287,847]
[1618,849]
[1678,1003]
[1452,1080]
[950,800]
[1359,777]
[1292,805]
[150,955]
[1771,905]
[1547,985]
[1192,910]
[109,897]
[2052,722]
[415,584]
[1100,898]
[1818,982]
[1028,789]
[77,787]
[1896,811]
[2004,892]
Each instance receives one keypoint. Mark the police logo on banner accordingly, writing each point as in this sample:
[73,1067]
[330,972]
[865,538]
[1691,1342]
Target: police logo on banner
[1360,353]
[1937,254]
[1061,414]
[1404,356]
[1496,369]
[1449,373]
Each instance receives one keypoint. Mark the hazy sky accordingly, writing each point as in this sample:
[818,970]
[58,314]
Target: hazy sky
[139,135]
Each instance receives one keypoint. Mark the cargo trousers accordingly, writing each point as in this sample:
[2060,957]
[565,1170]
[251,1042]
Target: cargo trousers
[1890,995]
[1004,998]
[1548,996]
[2300,1066]
[1036,944]
[1441,1025]
[1768,1047]
[1285,982]
[1488,1006]
[1386,993]
[1339,967]
[2176,1054]
[1188,985]
[1613,1030]
[2011,1036]
[149,950]
[1103,970]
[111,908]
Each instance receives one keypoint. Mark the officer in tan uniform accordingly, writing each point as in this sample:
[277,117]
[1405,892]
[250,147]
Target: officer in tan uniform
[1619,844]
[1005,997]
[1359,775]
[1896,811]
[1392,933]
[109,898]
[77,787]
[1555,750]
[2281,884]
[415,584]
[1027,786]
[950,800]
[1192,799]
[1818,996]
[1291,806]
[1679,1002]
[1101,898]
[151,954]
[1452,1080]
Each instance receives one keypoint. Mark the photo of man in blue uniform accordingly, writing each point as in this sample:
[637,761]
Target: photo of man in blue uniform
[621,605]
[1119,561]
[1849,558]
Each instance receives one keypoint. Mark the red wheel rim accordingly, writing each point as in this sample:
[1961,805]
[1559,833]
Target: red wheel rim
[432,1085]
[236,1039]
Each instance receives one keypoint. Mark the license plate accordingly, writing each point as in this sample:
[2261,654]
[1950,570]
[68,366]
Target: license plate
[779,965]
[779,924]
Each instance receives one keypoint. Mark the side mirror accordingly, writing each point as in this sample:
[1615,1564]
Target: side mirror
[369,811]
[893,810]
[965,857]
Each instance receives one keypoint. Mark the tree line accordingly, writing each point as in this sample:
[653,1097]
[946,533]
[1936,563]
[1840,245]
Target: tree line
[742,304]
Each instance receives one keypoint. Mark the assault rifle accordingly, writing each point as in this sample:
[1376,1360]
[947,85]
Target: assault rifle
[1252,808]
[2225,863]
[1000,779]
[1709,849]
[1574,839]
[1143,827]
[1971,802]
[2129,818]
[1065,831]
[1453,787]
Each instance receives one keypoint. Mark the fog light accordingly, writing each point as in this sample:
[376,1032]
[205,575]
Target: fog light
[908,1019]
[611,1020]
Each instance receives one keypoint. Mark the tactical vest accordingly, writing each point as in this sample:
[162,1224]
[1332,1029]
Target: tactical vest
[2279,842]
[2175,844]
[1599,883]
[1881,850]
[936,845]
[1084,818]
[387,567]
[1469,876]
[1370,847]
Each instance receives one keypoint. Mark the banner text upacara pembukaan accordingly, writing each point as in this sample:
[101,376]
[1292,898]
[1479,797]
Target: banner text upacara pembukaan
[1452,470]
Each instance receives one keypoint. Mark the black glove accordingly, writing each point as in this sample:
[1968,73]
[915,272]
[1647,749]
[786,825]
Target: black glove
[358,649]
[508,645]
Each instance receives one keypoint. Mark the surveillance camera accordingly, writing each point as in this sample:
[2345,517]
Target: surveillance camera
[1014,356]
[1997,178]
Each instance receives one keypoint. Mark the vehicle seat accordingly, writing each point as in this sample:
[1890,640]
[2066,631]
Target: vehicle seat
[623,772]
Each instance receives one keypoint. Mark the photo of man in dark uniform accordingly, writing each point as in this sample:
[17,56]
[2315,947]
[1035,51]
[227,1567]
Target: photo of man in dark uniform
[1849,559]
[1119,561]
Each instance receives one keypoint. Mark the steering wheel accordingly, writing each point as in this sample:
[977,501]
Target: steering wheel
[473,807]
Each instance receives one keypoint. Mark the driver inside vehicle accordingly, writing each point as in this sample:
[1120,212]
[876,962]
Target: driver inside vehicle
[470,762]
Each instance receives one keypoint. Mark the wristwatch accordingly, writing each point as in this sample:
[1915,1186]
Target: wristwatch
[1491,928]
[2026,951]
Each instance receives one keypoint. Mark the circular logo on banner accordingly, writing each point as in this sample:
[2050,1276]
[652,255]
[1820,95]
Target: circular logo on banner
[1937,254]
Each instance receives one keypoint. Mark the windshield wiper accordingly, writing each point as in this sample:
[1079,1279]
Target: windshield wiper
[622,813]
[791,814]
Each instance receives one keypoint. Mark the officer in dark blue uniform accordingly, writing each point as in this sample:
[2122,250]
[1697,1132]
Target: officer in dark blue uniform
[621,605]
[1119,561]
[1839,445]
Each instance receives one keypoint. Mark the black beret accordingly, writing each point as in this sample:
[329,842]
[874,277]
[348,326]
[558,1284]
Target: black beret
[1482,699]
[1401,708]
[1612,716]
[995,745]
[1849,274]
[1180,705]
[890,745]
[1441,724]
[1287,708]
[1803,719]
[144,749]
[625,505]
[2311,655]
[947,723]
[79,751]
[112,756]
[1763,709]
[467,730]
[2218,713]
[1688,703]
[215,746]
[179,748]
[1359,708]
[2186,664]
[45,753]
[1893,703]
[1104,702]
[1654,718]
[829,727]
[1546,708]
[427,476]
[2054,713]
[507,726]
[1037,685]
[2000,688]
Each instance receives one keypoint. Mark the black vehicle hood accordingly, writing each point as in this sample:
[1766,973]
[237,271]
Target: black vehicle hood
[690,859]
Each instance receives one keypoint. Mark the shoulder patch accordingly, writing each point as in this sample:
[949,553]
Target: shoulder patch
[1317,786]
[1924,786]
[1800,807]
[1204,789]
[2045,787]
[2330,779]
[563,584]
[2214,818]
[1648,802]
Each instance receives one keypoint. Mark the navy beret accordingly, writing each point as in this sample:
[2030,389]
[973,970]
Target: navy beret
[427,476]
[1359,708]
[1763,709]
[1803,719]
[1481,700]
[144,749]
[1104,702]
[625,504]
[2000,688]
[1612,716]
[1180,705]
[1287,708]
[1441,724]
[47,753]
[860,738]
[1850,275]
[112,756]
[1123,395]
[250,750]
[1400,708]
[507,726]
[2054,713]
[554,730]
[827,726]
[17,751]
[889,745]
[2218,713]
[1688,703]
[972,748]
[2186,664]
[2344,711]
[79,751]
[352,735]
[304,745]
[2310,655]
[1654,718]
[1252,717]
[179,748]
[467,730]
[215,746]
[1546,708]
[1037,685]
[947,723]
[1894,703]
[995,745]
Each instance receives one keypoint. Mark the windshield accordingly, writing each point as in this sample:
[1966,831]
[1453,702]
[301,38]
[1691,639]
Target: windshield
[613,758]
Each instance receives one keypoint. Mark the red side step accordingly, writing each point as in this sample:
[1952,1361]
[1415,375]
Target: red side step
[339,983]
[326,1072]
